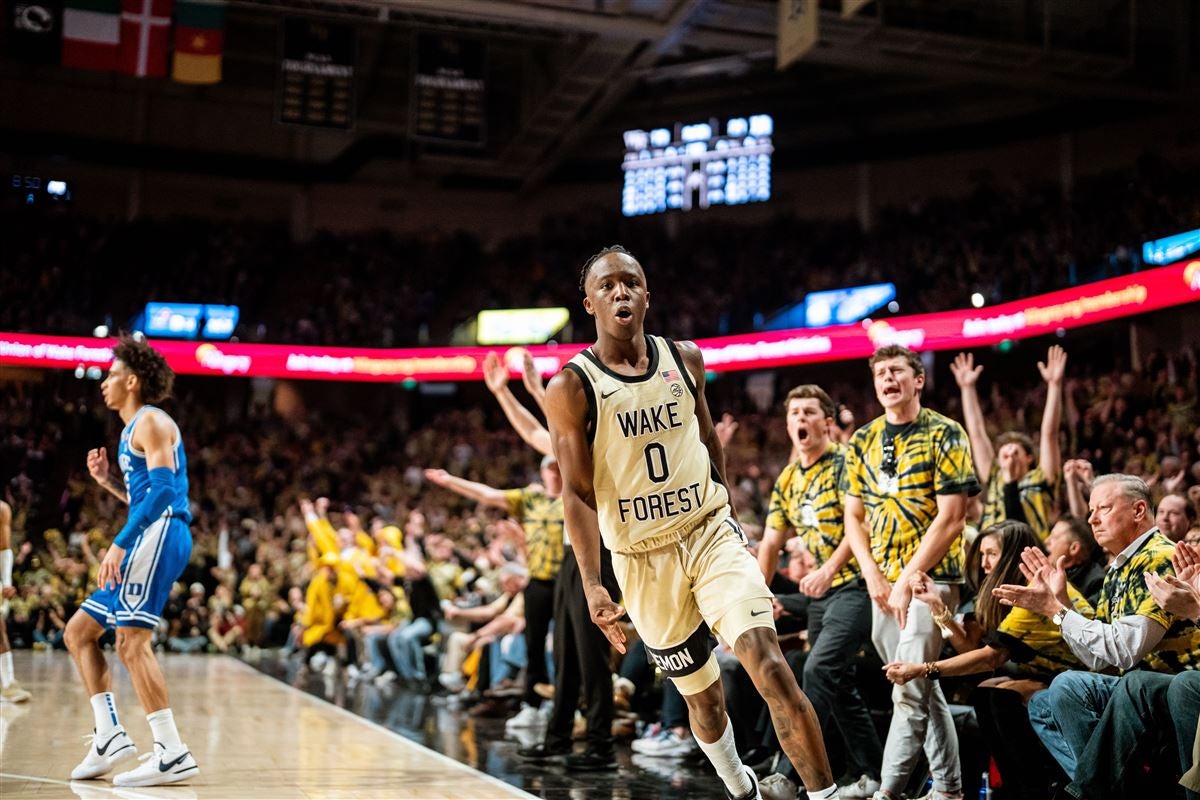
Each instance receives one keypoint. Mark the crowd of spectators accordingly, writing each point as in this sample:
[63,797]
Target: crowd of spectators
[335,535]
[326,537]
[67,275]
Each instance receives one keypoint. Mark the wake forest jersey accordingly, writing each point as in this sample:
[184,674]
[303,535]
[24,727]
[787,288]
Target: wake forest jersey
[651,473]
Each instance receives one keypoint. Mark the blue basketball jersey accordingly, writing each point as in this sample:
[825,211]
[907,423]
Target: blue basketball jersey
[159,554]
[137,475]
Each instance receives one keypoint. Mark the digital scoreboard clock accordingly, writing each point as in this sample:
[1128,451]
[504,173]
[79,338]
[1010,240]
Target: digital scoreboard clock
[697,165]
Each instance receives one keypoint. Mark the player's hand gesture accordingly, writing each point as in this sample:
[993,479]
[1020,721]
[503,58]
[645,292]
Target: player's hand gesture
[606,614]
[1054,366]
[964,369]
[110,567]
[97,464]
[495,373]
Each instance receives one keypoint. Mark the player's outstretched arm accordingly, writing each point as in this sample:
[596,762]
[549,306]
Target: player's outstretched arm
[567,411]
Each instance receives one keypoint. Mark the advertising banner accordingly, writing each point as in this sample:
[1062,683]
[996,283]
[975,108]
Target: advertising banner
[1116,298]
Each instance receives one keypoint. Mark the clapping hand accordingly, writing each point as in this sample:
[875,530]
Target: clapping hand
[1046,585]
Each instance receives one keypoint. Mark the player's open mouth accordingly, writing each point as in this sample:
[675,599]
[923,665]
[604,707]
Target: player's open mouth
[624,314]
[802,434]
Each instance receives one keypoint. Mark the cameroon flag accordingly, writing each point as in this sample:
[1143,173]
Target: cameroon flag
[199,40]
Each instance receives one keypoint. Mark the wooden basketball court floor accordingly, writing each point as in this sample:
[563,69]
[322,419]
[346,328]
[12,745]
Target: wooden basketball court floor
[253,736]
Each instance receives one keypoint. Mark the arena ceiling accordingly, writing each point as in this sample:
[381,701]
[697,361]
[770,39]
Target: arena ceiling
[566,77]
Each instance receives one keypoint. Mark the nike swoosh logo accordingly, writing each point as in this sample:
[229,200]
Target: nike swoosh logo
[164,767]
[758,613]
[102,750]
[610,394]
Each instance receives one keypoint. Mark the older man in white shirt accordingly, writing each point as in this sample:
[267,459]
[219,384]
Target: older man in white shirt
[1128,629]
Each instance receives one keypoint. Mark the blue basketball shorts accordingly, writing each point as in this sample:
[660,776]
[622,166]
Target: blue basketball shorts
[150,567]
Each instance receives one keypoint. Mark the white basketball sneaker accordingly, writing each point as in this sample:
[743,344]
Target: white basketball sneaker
[159,767]
[104,752]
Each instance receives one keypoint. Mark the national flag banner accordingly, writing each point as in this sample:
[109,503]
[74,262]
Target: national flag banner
[35,31]
[199,41]
[670,375]
[145,36]
[91,34]
[797,31]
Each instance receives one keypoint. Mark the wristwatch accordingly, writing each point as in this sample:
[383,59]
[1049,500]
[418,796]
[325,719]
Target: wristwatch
[1060,615]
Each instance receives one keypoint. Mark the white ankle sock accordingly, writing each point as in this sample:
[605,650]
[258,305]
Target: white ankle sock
[723,755]
[825,794]
[162,725]
[6,669]
[104,707]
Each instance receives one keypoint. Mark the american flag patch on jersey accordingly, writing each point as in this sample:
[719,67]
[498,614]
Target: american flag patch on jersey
[670,375]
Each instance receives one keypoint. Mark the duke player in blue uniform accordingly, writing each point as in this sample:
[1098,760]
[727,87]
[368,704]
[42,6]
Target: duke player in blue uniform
[136,574]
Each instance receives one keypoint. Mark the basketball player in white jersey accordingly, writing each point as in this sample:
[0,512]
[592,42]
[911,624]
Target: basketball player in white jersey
[643,469]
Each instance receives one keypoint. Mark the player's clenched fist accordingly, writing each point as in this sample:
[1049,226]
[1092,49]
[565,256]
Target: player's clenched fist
[97,464]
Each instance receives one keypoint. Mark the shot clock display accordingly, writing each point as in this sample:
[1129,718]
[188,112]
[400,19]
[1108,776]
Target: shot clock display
[34,189]
[698,165]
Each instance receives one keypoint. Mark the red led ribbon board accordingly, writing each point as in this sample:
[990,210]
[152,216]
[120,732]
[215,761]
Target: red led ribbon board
[1115,298]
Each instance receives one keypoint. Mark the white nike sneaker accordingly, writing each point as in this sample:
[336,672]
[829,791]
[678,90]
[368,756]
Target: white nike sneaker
[160,767]
[15,693]
[104,753]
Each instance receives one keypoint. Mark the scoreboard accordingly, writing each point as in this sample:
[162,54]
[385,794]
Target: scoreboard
[697,165]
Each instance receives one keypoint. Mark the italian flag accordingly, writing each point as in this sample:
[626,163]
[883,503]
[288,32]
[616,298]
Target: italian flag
[91,34]
[199,41]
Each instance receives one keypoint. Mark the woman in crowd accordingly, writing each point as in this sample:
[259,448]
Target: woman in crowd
[1026,648]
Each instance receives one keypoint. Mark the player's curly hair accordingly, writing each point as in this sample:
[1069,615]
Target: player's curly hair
[587,265]
[155,378]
